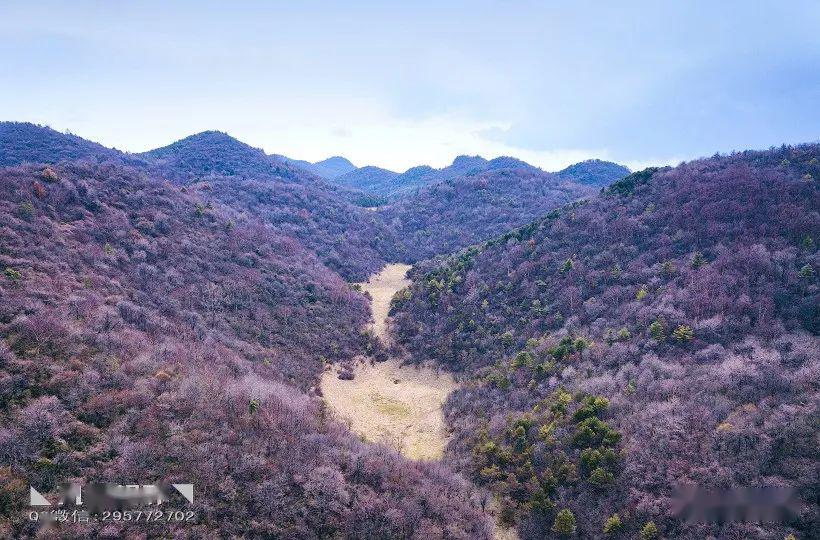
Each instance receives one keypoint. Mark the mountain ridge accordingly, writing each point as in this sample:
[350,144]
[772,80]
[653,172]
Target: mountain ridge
[392,185]
[130,304]
[643,333]
[614,339]
[328,168]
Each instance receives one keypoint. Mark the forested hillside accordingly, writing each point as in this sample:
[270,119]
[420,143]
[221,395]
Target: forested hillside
[370,179]
[329,219]
[147,335]
[329,168]
[167,316]
[348,238]
[219,154]
[392,185]
[663,333]
[332,167]
[384,183]
[22,142]
[456,213]
[593,172]
[469,201]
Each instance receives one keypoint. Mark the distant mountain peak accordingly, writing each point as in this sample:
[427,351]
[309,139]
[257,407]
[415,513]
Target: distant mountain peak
[22,142]
[389,184]
[374,168]
[509,162]
[332,167]
[419,169]
[594,172]
[336,160]
[468,161]
[216,136]
[329,168]
[213,153]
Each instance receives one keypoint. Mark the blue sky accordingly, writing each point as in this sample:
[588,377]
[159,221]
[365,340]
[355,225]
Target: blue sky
[398,84]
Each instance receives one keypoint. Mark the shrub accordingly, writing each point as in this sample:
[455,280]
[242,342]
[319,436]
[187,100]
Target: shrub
[668,268]
[14,275]
[49,175]
[38,190]
[698,260]
[658,330]
[581,343]
[564,524]
[253,406]
[684,333]
[26,209]
[601,478]
[509,511]
[613,524]
[649,531]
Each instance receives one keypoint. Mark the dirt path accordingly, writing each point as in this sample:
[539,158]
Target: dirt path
[387,403]
[382,287]
[394,405]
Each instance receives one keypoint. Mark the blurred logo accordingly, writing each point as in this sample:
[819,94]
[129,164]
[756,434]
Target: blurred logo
[751,505]
[97,497]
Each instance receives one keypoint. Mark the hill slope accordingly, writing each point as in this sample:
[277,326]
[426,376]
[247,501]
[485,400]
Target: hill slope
[22,142]
[686,299]
[453,214]
[144,335]
[389,184]
[218,154]
[392,185]
[323,217]
[332,167]
[369,179]
[348,238]
[330,219]
[327,168]
[593,172]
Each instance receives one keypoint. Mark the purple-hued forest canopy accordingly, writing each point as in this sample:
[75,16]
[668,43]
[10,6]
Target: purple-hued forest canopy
[167,316]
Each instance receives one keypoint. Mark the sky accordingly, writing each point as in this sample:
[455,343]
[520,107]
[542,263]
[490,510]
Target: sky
[397,84]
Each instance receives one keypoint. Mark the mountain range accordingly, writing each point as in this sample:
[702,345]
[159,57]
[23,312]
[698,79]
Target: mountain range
[660,334]
[392,185]
[147,334]
[327,216]
[329,168]
[168,315]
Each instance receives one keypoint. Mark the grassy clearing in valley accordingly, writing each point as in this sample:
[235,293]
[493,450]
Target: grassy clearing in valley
[399,406]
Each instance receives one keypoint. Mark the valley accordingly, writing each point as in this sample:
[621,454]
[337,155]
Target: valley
[562,352]
[409,270]
[399,406]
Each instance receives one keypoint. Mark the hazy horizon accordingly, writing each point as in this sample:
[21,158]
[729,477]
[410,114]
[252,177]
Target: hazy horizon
[397,86]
